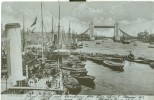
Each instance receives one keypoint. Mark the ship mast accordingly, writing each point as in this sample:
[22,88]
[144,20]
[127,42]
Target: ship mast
[69,28]
[61,81]
[23,46]
[69,35]
[52,31]
[42,33]
[59,26]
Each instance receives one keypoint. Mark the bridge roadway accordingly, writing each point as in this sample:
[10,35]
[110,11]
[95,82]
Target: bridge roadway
[103,26]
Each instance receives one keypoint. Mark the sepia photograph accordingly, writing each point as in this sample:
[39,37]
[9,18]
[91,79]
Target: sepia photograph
[57,48]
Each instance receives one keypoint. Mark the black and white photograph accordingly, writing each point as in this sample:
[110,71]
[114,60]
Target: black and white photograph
[56,48]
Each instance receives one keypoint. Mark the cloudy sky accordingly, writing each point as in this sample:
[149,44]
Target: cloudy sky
[133,17]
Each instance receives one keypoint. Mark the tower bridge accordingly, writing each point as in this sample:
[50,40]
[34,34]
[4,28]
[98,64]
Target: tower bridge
[118,36]
[117,33]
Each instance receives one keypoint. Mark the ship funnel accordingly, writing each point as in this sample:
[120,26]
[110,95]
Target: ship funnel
[14,52]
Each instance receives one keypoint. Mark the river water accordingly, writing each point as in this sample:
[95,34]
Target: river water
[137,79]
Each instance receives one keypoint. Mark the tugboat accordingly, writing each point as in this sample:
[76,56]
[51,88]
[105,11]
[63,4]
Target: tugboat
[130,57]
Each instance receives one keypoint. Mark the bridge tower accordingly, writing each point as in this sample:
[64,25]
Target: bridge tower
[91,31]
[116,32]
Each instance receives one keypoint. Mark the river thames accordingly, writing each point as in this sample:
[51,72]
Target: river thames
[137,79]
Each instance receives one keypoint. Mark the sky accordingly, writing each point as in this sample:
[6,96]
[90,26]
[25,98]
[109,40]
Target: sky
[133,17]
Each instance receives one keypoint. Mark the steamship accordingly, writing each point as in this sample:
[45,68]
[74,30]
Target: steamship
[43,77]
[37,78]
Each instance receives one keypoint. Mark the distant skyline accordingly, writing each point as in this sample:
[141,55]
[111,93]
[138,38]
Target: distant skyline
[133,17]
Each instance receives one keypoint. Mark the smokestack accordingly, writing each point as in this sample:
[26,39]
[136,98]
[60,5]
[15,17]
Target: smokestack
[14,53]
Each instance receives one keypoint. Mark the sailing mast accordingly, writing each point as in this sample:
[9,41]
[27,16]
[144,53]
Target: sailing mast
[42,33]
[52,32]
[59,26]
[69,28]
[69,32]
[61,81]
[23,46]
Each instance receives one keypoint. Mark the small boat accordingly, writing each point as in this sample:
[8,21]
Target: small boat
[73,69]
[72,85]
[126,42]
[115,59]
[113,65]
[140,61]
[135,44]
[73,63]
[151,65]
[84,78]
[75,53]
[98,43]
[80,45]
[73,46]
[151,46]
[151,42]
[89,57]
[81,72]
[143,60]
[98,60]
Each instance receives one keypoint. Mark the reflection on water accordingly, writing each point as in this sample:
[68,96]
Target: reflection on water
[137,79]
